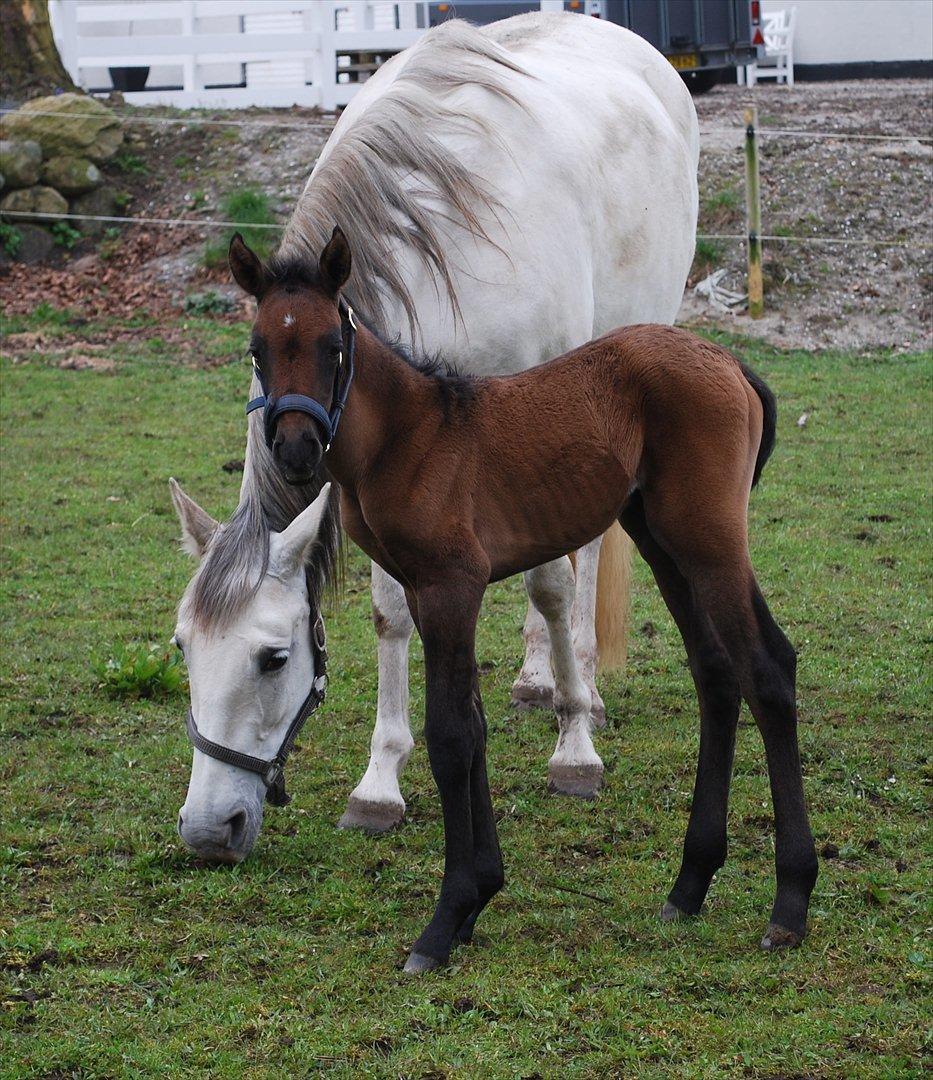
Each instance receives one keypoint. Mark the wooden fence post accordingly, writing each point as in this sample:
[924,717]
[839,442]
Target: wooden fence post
[756,301]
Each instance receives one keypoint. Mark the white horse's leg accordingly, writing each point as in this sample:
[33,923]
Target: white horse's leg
[584,624]
[376,803]
[534,687]
[575,767]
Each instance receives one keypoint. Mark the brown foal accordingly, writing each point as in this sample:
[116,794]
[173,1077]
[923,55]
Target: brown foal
[451,483]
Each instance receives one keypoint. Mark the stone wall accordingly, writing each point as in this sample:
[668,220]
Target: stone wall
[51,150]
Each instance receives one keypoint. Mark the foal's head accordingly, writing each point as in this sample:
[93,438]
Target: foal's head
[297,344]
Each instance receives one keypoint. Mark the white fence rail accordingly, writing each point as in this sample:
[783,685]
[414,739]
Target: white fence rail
[236,53]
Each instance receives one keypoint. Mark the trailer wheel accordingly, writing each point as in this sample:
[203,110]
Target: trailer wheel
[701,80]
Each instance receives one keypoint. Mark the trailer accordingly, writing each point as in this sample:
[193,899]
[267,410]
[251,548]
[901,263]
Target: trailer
[701,38]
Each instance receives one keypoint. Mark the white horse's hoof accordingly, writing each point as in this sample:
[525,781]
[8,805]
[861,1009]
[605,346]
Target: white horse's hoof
[528,696]
[418,964]
[582,781]
[371,817]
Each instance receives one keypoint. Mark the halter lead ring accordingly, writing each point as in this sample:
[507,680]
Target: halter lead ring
[274,407]
[272,771]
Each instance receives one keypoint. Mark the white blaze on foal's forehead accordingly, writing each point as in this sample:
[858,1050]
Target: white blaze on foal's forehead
[289,319]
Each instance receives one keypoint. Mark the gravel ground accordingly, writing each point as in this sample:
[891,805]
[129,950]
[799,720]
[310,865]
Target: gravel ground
[819,295]
[816,295]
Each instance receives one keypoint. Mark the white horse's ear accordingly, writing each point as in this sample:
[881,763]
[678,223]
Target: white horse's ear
[289,548]
[197,525]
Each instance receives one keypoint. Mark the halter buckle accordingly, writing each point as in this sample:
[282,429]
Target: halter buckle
[273,774]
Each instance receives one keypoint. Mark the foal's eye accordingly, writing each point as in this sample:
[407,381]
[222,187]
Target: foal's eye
[178,645]
[274,660]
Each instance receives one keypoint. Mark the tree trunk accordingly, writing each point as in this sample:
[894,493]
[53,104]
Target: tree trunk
[31,65]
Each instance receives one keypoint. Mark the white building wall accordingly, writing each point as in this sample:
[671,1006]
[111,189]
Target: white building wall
[846,31]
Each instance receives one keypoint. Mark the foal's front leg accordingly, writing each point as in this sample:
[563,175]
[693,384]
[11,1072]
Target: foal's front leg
[376,803]
[455,739]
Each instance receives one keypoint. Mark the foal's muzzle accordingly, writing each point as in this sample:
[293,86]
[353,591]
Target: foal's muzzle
[297,448]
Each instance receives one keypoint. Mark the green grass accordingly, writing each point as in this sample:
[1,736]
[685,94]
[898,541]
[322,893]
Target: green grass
[121,958]
[246,208]
[708,255]
[725,199]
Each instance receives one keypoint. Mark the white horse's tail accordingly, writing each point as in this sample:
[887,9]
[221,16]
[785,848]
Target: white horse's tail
[612,599]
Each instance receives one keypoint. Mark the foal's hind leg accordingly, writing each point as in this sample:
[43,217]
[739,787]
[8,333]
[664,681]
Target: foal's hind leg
[719,697]
[767,665]
[575,767]
[376,803]
[713,556]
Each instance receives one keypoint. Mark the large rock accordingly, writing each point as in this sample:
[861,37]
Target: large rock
[34,200]
[70,124]
[35,244]
[101,202]
[20,162]
[71,175]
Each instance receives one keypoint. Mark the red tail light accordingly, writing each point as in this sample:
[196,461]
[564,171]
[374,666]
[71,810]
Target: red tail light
[756,11]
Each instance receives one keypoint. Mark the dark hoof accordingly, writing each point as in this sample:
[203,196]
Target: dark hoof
[532,697]
[418,964]
[598,716]
[371,817]
[672,913]
[582,781]
[779,937]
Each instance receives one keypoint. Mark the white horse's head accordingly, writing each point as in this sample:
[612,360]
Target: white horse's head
[245,628]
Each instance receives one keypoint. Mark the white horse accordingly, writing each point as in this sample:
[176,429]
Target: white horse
[509,193]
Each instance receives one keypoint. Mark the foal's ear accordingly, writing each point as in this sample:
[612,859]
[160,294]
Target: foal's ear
[197,525]
[290,548]
[334,263]
[246,267]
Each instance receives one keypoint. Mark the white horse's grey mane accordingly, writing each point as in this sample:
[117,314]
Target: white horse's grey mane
[238,556]
[382,180]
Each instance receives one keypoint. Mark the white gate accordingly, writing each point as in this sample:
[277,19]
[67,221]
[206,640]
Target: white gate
[236,53]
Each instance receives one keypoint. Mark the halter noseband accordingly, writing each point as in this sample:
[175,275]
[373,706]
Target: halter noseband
[273,770]
[274,407]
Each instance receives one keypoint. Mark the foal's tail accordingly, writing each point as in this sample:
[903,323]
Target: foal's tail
[769,423]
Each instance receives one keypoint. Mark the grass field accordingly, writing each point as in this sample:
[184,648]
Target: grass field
[121,958]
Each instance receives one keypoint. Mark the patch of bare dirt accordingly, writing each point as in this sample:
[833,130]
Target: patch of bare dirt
[846,295]
[816,296]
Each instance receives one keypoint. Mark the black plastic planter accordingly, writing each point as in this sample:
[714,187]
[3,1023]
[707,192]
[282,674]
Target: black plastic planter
[128,79]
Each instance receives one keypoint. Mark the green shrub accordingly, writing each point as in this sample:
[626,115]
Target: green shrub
[11,239]
[244,208]
[128,162]
[66,235]
[724,199]
[208,303]
[141,670]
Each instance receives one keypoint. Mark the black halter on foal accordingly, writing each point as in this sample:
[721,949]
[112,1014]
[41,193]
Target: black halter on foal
[273,770]
[329,421]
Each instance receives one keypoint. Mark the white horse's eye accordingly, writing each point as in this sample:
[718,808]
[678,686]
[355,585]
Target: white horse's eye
[273,661]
